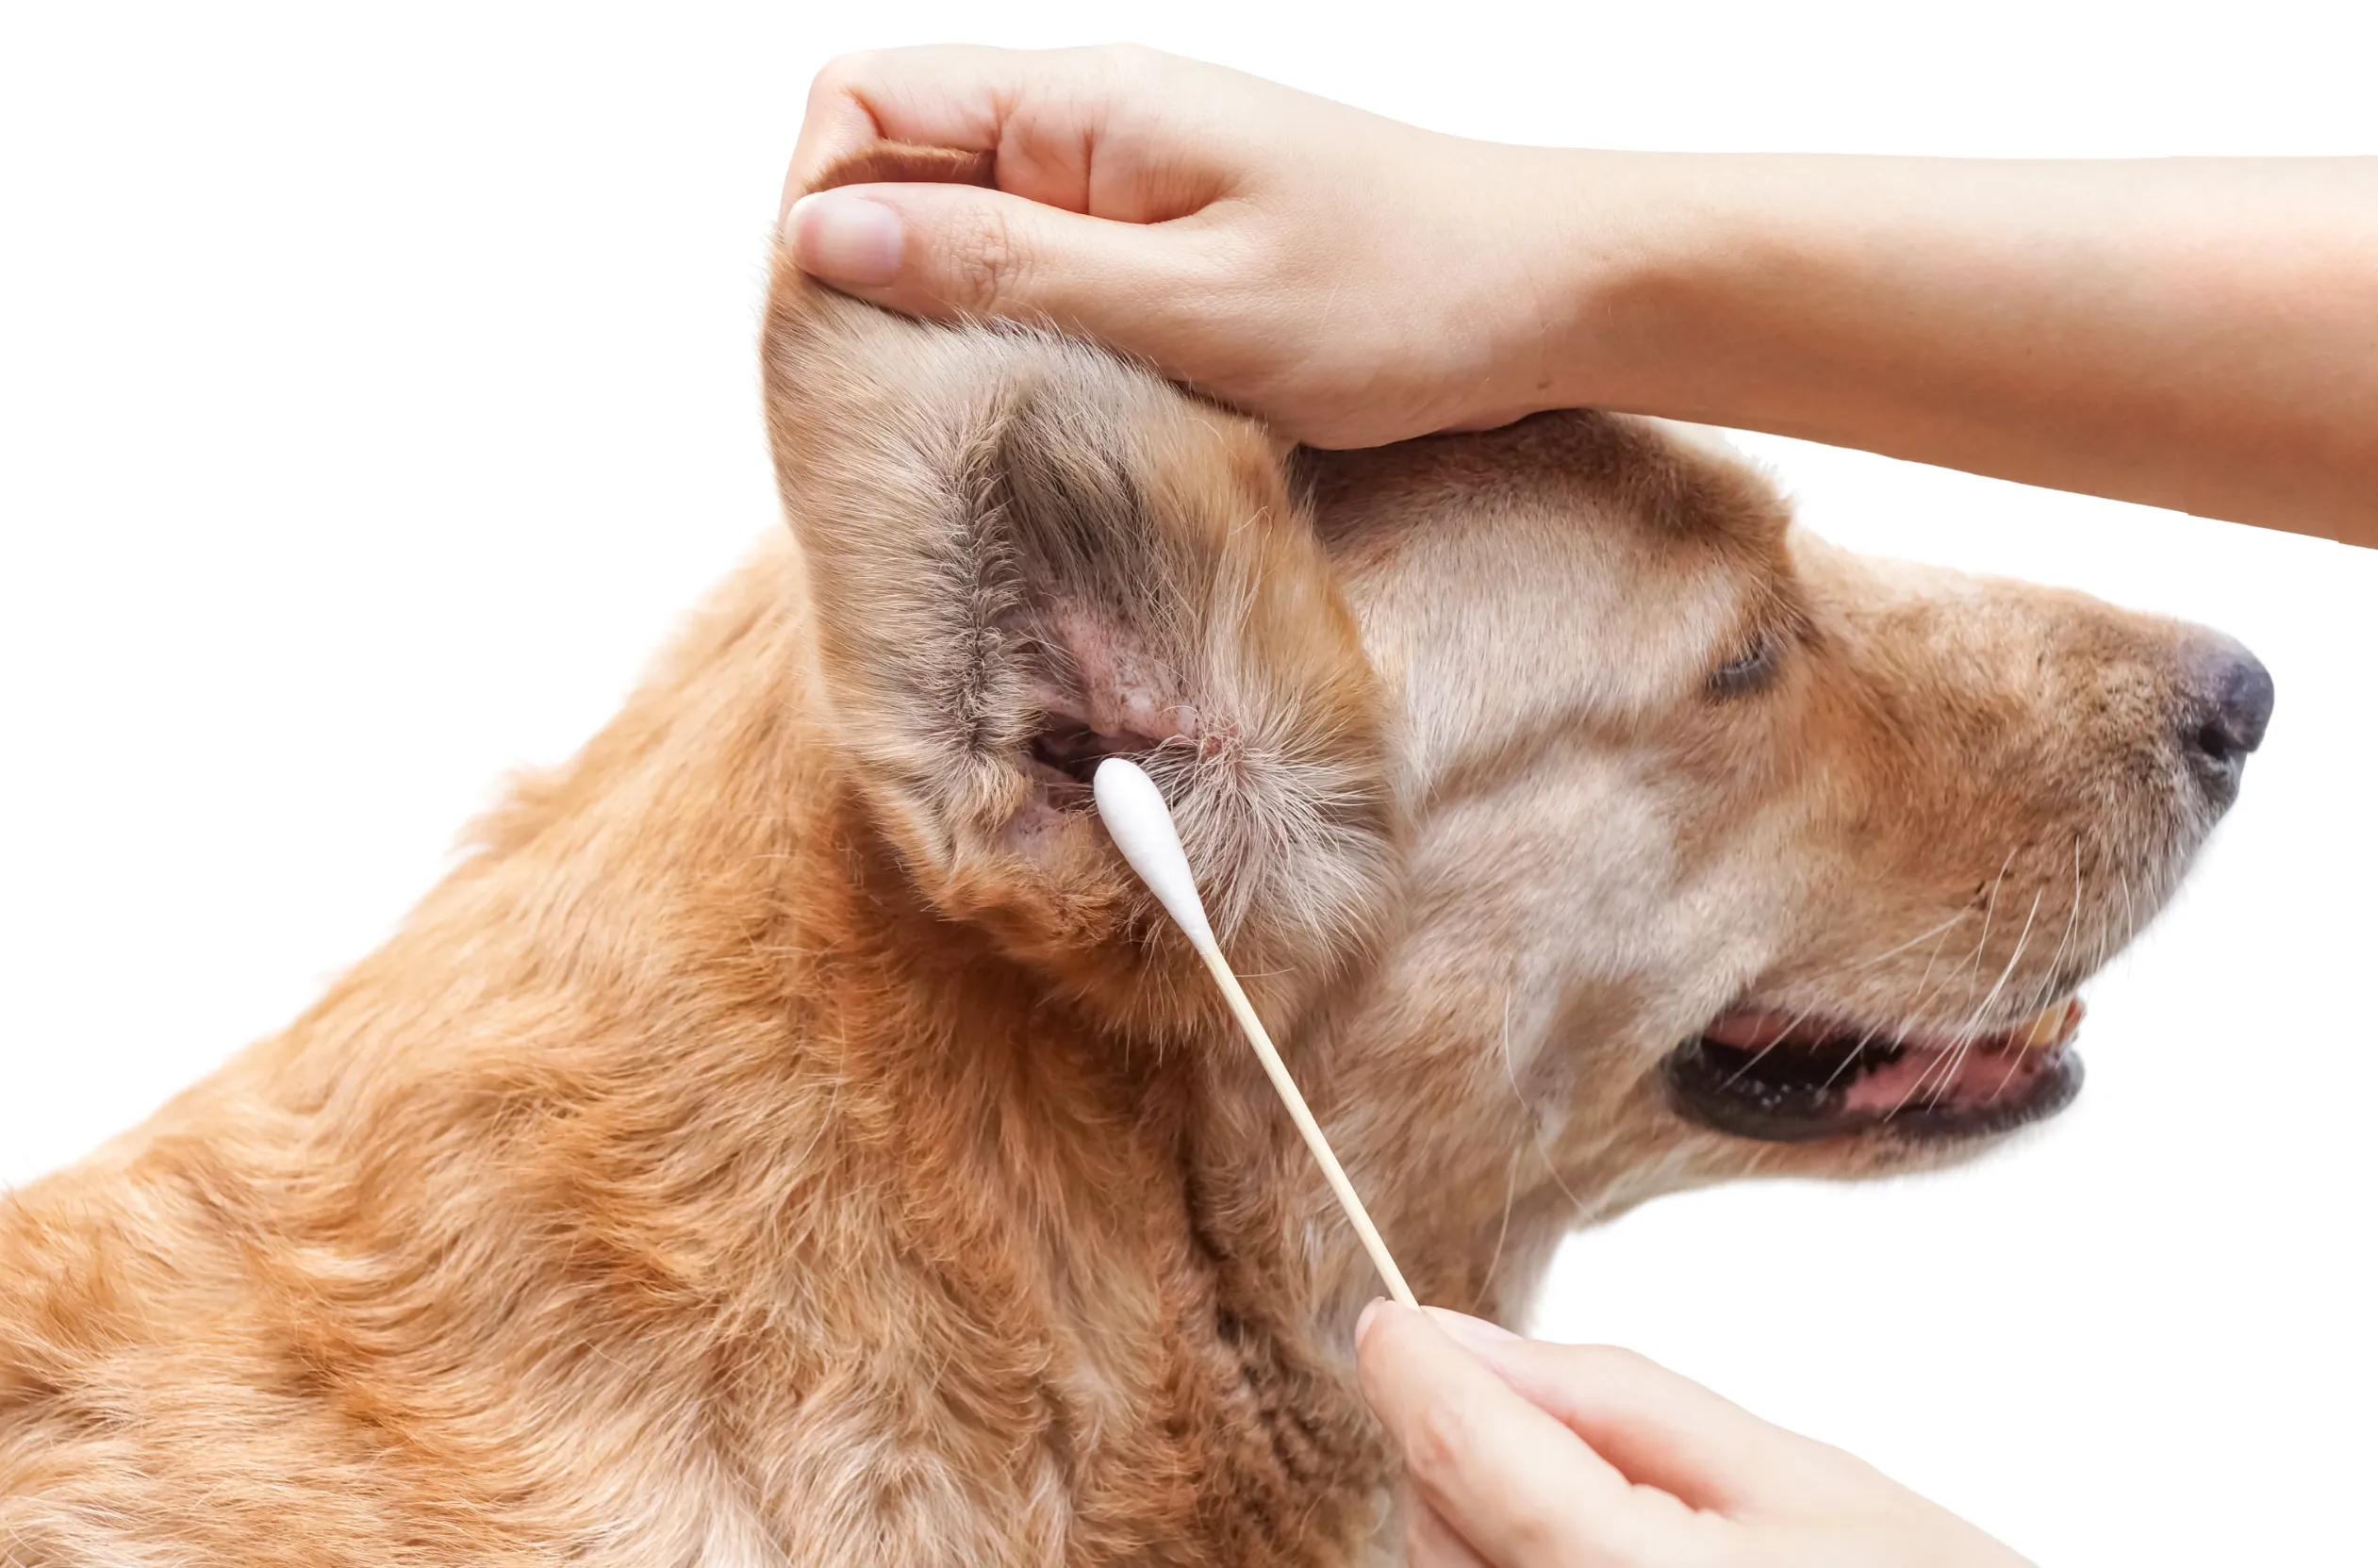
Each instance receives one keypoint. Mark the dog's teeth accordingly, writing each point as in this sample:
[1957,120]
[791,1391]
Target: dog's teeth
[2051,1027]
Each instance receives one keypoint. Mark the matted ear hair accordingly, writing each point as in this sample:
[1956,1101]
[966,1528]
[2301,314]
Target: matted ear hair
[1025,556]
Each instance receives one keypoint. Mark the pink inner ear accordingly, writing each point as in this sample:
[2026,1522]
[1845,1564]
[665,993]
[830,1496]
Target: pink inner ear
[1121,700]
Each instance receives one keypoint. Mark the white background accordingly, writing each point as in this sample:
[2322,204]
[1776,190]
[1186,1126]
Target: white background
[376,387]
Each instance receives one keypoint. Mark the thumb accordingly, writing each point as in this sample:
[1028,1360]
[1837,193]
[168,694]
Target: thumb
[959,250]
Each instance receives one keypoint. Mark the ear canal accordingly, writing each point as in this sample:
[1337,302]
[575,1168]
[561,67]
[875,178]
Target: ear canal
[1063,745]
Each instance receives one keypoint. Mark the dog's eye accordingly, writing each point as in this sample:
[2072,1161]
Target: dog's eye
[1748,670]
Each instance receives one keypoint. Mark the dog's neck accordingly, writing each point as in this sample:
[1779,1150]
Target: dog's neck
[685,1067]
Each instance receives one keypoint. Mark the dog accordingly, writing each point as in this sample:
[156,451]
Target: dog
[792,1136]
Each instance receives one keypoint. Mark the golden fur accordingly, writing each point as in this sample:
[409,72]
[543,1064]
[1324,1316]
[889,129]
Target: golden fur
[791,1136]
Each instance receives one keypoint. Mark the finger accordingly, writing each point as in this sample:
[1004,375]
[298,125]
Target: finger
[949,250]
[1512,1481]
[1042,112]
[1657,1426]
[835,123]
[936,95]
[1430,1542]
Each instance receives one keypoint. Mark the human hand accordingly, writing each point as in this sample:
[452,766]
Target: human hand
[1518,1453]
[1351,279]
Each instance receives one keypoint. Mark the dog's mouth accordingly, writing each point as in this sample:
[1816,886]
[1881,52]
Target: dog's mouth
[1785,1079]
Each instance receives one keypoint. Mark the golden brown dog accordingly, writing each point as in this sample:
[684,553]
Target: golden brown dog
[792,1137]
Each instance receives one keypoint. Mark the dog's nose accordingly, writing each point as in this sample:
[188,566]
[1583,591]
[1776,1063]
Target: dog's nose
[2230,708]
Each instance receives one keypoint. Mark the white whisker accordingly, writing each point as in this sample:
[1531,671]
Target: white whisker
[1924,987]
[1872,959]
[1851,1055]
[2016,1058]
[1528,1114]
[1511,1191]
[1964,1037]
[1797,1019]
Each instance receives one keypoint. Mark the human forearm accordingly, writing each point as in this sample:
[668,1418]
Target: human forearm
[2197,334]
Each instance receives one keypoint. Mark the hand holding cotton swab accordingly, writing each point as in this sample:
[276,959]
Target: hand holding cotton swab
[1142,826]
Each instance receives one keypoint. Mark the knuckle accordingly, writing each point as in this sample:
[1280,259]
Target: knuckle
[1434,1444]
[1112,69]
[1129,57]
[846,71]
[1612,1361]
[834,79]
[1537,1536]
[983,262]
[1533,1531]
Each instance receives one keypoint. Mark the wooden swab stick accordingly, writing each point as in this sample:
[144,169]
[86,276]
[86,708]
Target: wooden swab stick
[1142,827]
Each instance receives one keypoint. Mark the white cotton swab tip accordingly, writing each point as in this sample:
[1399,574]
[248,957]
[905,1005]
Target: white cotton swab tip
[1142,827]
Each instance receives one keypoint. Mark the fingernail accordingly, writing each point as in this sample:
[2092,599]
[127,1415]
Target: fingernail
[1473,1333]
[1370,1313]
[843,238]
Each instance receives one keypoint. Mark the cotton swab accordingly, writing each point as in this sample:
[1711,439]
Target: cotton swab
[1142,826]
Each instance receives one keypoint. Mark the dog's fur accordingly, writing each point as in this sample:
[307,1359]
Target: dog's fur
[791,1136]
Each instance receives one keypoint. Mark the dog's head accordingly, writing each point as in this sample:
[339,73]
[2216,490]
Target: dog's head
[1553,792]
[1733,851]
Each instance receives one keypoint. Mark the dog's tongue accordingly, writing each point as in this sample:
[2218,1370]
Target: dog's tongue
[1752,1030]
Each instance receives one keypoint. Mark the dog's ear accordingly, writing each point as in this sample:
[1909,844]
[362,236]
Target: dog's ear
[1025,556]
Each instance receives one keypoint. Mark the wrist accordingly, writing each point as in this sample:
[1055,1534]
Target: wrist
[1635,254]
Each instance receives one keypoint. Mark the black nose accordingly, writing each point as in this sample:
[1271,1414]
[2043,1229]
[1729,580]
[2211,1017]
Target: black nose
[2232,708]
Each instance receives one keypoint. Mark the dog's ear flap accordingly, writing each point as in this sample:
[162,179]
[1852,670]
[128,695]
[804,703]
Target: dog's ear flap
[1025,556]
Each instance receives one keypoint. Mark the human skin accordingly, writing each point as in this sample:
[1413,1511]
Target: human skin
[1523,1455]
[2199,334]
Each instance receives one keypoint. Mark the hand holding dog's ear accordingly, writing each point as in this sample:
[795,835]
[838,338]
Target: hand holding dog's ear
[1519,1453]
[1201,219]
[1354,281]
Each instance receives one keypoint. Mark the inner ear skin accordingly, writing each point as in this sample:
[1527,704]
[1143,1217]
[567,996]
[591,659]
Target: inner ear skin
[1103,692]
